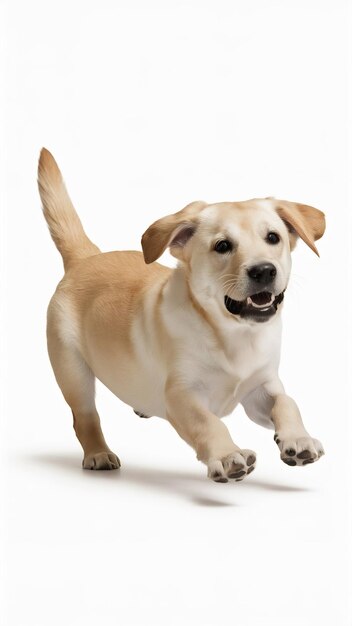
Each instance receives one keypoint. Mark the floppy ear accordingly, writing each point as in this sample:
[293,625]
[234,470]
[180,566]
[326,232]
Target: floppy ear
[302,221]
[173,230]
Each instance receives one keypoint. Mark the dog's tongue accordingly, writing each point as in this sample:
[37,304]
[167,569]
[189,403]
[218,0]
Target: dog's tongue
[264,297]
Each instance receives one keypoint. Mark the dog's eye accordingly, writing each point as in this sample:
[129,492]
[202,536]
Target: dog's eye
[223,246]
[272,238]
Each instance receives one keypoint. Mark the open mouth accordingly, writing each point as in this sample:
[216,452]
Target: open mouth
[258,307]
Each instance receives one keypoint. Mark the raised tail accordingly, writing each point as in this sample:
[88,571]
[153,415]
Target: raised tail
[64,224]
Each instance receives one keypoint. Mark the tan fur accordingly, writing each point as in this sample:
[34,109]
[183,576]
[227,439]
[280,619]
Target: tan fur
[307,222]
[162,339]
[64,224]
[159,235]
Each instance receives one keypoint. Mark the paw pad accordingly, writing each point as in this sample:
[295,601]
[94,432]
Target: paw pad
[235,466]
[290,452]
[300,451]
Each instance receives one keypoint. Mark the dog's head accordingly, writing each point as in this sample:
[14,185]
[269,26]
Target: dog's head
[236,254]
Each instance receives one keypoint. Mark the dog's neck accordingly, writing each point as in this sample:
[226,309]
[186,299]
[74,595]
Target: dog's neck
[182,295]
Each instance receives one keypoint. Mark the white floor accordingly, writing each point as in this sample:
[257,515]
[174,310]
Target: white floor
[148,106]
[157,543]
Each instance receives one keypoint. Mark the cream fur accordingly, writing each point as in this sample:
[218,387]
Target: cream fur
[161,339]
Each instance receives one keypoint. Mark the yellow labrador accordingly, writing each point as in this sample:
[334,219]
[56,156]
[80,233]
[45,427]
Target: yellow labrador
[186,344]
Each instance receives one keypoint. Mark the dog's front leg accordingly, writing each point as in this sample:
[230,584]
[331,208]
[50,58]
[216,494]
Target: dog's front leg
[296,446]
[207,434]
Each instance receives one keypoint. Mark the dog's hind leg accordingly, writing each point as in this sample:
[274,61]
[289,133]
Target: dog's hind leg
[77,383]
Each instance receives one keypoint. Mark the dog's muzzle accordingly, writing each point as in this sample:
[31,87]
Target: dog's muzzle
[259,307]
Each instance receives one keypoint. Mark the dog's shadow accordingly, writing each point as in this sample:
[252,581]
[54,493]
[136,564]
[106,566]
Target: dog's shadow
[193,486]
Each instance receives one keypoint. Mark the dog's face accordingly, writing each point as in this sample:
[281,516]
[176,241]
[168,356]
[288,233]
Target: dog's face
[237,255]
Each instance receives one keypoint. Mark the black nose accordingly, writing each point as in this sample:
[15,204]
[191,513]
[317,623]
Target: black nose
[264,273]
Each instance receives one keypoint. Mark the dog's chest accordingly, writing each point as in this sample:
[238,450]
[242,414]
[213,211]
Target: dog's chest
[226,376]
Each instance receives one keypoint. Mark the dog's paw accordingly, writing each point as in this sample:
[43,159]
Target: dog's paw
[300,451]
[141,414]
[101,461]
[236,465]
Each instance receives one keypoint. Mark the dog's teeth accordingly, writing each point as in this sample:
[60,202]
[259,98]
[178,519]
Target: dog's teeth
[263,307]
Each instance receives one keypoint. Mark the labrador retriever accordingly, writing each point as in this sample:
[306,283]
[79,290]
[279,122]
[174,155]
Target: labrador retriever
[187,344]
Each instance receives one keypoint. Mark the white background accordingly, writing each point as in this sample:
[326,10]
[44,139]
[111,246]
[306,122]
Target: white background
[146,107]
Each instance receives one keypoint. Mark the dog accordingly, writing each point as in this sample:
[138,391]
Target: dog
[186,344]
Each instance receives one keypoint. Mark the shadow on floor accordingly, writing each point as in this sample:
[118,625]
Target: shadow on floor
[193,486]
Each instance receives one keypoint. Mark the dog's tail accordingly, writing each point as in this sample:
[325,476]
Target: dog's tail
[64,224]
